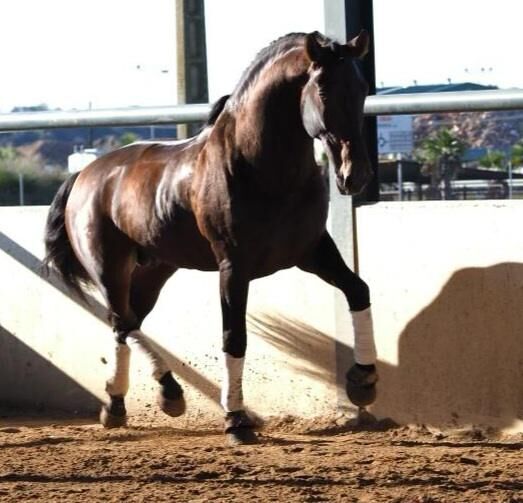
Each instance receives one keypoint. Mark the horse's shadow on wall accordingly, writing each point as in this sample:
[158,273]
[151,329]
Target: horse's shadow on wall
[461,357]
[460,360]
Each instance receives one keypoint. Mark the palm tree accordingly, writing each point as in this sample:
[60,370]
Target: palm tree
[494,159]
[7,153]
[441,155]
[517,154]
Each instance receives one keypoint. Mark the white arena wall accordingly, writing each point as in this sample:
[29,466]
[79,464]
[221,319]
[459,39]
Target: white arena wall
[447,286]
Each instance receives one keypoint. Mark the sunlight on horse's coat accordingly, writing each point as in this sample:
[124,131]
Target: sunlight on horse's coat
[244,197]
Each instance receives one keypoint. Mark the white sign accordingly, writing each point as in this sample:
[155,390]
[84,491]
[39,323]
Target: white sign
[395,134]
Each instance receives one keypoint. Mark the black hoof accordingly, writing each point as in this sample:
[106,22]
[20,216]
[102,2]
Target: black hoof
[170,398]
[361,384]
[239,429]
[114,415]
[241,436]
[173,408]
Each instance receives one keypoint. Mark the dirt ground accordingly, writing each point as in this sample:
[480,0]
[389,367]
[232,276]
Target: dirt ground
[82,462]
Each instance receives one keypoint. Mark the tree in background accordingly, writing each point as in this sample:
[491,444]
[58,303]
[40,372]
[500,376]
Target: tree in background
[128,137]
[7,154]
[11,160]
[517,154]
[440,155]
[17,172]
[495,159]
[498,159]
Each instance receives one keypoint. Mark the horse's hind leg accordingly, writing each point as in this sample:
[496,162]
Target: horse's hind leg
[131,292]
[116,263]
[146,284]
[110,258]
[326,262]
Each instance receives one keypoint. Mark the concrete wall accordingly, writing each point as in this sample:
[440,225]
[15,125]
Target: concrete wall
[54,350]
[447,289]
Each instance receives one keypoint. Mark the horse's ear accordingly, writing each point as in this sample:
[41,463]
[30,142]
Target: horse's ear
[313,48]
[359,45]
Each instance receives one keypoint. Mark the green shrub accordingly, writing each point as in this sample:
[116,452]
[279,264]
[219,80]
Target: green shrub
[39,188]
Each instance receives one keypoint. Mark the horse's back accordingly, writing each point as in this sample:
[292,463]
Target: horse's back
[142,192]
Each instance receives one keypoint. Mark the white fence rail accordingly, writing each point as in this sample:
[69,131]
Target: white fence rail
[462,101]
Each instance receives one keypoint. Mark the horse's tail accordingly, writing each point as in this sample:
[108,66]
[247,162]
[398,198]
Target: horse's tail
[58,250]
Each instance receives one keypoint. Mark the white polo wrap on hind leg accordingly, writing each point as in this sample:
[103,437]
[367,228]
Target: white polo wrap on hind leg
[364,345]
[118,384]
[159,367]
[232,393]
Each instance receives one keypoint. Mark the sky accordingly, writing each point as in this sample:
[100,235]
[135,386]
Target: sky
[116,53]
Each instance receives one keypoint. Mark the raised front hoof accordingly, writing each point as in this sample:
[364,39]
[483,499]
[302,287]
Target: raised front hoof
[173,408]
[239,429]
[361,384]
[109,420]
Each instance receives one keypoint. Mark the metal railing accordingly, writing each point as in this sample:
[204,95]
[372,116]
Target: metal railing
[143,116]
[459,101]
[398,104]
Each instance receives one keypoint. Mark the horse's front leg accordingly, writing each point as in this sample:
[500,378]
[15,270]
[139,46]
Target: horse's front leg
[327,263]
[234,287]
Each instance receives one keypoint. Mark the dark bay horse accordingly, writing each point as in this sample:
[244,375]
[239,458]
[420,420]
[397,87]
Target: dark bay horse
[244,197]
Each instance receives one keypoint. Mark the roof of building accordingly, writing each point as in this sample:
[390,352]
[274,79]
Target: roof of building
[435,88]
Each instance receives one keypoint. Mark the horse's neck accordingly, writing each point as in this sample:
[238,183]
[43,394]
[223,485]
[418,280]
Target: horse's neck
[271,137]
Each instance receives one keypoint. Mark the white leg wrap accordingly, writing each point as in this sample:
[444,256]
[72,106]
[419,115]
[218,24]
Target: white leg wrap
[118,384]
[158,364]
[364,346]
[232,394]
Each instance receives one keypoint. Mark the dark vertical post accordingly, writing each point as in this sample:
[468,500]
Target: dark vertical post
[399,168]
[359,16]
[90,130]
[192,55]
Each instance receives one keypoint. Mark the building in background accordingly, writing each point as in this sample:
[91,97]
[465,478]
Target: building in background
[80,158]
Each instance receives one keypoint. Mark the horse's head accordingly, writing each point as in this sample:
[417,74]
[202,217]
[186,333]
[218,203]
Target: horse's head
[332,107]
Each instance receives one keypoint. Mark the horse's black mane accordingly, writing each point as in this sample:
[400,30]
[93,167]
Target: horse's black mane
[277,46]
[216,110]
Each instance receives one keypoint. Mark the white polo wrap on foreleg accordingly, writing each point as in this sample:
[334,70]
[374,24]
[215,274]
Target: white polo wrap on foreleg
[232,394]
[364,345]
[118,384]
[159,367]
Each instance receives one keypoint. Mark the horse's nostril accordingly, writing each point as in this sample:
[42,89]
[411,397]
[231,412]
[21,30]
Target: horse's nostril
[343,183]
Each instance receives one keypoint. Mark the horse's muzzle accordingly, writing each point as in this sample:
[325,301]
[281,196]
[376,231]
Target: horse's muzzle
[352,173]
[343,185]
[357,179]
